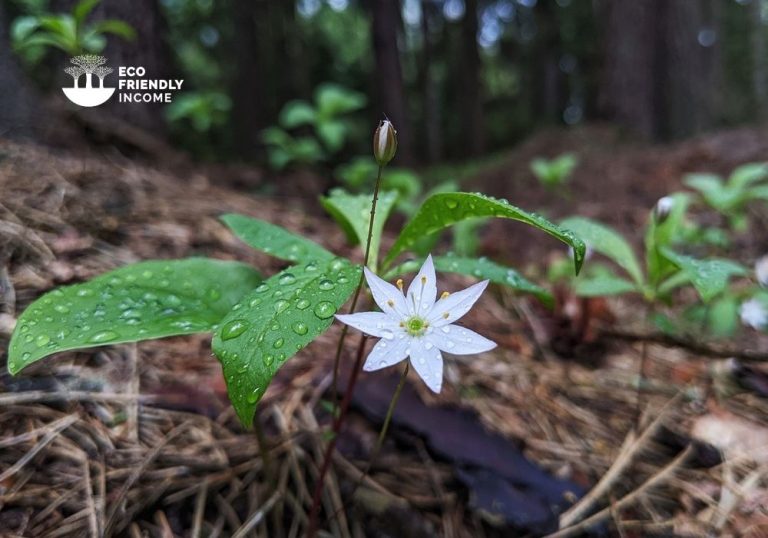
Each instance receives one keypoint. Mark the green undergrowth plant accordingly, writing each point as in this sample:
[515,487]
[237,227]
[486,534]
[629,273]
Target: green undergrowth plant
[731,198]
[555,173]
[34,34]
[258,321]
[308,133]
[665,266]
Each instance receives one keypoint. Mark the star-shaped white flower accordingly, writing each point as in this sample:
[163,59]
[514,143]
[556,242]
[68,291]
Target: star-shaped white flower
[417,325]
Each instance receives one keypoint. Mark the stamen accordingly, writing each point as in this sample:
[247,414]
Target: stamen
[444,295]
[391,303]
[446,315]
[423,280]
[399,284]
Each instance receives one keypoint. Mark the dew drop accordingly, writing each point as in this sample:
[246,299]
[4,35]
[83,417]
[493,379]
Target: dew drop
[261,288]
[451,204]
[256,301]
[326,285]
[234,328]
[428,345]
[253,397]
[268,360]
[61,309]
[103,336]
[281,305]
[300,328]
[324,310]
[302,304]
[286,278]
[278,343]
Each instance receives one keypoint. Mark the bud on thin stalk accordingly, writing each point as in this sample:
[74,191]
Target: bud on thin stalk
[663,208]
[384,142]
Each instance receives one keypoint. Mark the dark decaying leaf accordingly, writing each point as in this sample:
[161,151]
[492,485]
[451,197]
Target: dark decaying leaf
[503,484]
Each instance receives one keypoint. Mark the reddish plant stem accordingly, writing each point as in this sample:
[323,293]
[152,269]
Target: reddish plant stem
[328,455]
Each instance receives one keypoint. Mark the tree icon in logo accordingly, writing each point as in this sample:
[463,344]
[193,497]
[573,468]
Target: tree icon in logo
[88,95]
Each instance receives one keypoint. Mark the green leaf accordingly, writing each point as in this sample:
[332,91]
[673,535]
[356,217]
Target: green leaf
[353,213]
[145,300]
[723,316]
[275,240]
[82,9]
[296,113]
[333,100]
[607,242]
[113,26]
[747,174]
[442,210]
[604,285]
[332,134]
[481,268]
[709,277]
[272,323]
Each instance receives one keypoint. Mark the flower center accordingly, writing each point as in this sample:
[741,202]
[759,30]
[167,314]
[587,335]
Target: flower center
[415,326]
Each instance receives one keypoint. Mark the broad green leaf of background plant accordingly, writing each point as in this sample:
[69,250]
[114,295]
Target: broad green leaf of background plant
[353,213]
[607,242]
[442,210]
[333,100]
[145,300]
[296,113]
[276,320]
[604,285]
[275,240]
[709,277]
[747,174]
[481,268]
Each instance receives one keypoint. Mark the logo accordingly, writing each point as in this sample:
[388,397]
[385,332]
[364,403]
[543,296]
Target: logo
[89,94]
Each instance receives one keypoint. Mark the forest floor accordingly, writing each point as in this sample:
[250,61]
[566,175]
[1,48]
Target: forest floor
[139,440]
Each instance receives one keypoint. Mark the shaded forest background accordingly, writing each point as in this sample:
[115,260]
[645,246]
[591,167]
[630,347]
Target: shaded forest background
[458,78]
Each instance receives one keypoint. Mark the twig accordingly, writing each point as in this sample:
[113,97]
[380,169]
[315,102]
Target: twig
[136,474]
[631,446]
[696,346]
[627,500]
[256,518]
[55,429]
[197,520]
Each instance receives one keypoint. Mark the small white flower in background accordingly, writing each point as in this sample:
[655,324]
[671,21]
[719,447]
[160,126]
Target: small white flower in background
[664,208]
[761,271]
[418,326]
[754,314]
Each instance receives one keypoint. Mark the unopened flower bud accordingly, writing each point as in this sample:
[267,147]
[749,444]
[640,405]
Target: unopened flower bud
[384,142]
[761,271]
[663,208]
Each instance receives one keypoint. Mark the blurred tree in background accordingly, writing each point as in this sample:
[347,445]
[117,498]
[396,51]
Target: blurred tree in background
[458,78]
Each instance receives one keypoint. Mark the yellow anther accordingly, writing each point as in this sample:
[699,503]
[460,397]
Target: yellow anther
[444,295]
[399,284]
[391,303]
[423,280]
[445,315]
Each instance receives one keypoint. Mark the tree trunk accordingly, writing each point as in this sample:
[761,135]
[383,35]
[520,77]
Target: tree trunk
[388,76]
[471,83]
[430,95]
[760,60]
[148,50]
[660,67]
[18,103]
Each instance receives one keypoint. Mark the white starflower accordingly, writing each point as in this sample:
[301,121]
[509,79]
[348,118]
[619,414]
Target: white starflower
[418,326]
[753,314]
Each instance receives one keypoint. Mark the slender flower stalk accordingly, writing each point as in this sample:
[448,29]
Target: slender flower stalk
[384,148]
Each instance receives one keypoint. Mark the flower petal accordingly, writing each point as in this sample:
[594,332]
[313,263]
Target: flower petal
[457,304]
[373,323]
[423,289]
[386,353]
[388,297]
[428,363]
[459,340]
